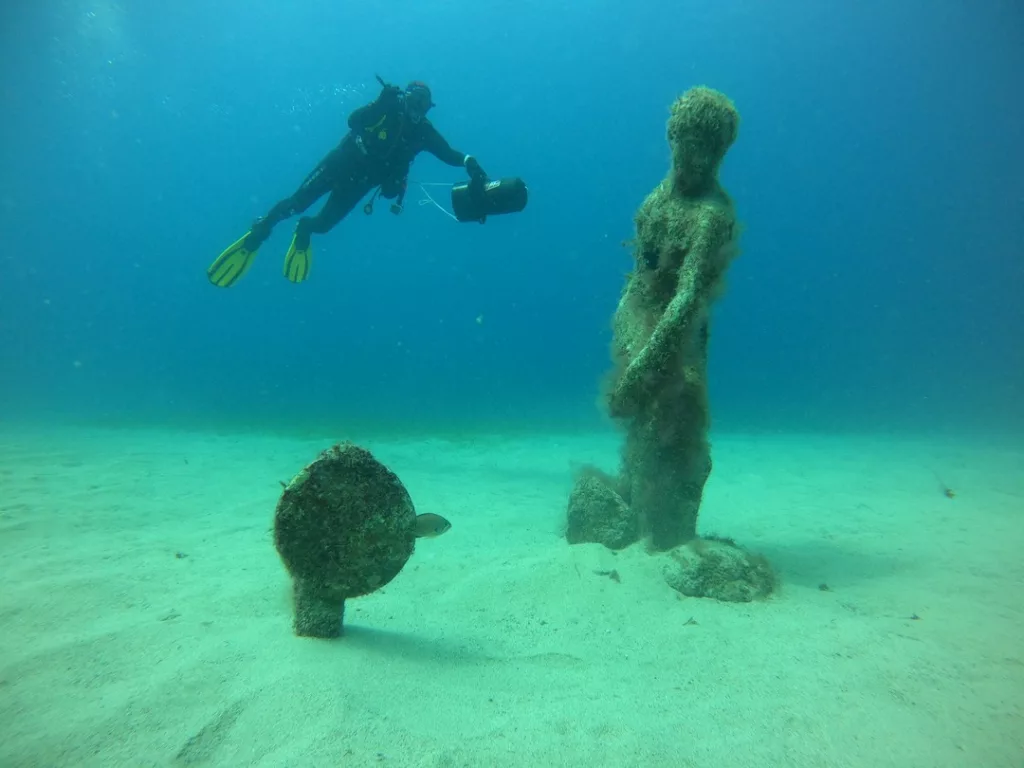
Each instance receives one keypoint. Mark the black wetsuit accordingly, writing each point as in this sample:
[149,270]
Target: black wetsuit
[377,152]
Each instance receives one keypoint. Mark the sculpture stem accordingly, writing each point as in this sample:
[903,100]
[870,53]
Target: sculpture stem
[318,612]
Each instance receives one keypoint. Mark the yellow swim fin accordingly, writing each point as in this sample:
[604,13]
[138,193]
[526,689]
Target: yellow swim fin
[234,262]
[298,260]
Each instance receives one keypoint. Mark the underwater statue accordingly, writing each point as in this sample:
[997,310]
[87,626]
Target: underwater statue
[686,234]
[344,527]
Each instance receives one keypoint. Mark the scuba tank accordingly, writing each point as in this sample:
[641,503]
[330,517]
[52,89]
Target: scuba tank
[475,201]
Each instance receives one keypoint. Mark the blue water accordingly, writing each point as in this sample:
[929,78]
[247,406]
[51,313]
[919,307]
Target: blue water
[879,175]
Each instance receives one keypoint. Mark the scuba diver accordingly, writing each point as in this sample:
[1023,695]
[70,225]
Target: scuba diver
[375,155]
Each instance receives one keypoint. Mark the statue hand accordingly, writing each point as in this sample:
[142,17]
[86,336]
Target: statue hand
[623,401]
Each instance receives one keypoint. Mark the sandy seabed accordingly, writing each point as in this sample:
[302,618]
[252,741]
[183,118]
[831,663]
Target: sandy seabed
[146,618]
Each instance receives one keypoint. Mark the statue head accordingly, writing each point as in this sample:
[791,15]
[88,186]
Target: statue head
[702,126]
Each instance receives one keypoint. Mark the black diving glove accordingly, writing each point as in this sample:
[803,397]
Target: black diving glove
[476,173]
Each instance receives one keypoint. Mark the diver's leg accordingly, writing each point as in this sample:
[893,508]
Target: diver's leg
[343,199]
[313,187]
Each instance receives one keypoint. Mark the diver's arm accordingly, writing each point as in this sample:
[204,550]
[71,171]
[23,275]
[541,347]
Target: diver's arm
[436,145]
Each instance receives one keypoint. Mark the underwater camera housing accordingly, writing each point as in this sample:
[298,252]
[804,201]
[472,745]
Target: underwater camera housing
[472,201]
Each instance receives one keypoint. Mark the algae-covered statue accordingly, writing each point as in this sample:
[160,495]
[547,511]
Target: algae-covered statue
[686,234]
[344,527]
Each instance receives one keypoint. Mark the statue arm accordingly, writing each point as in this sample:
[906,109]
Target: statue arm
[658,359]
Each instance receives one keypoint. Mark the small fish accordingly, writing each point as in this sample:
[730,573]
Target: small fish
[948,492]
[430,525]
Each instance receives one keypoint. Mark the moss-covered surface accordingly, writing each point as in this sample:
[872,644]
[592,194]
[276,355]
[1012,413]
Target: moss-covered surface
[344,527]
